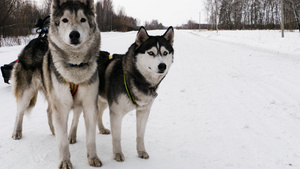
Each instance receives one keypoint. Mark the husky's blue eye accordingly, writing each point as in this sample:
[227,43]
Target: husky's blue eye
[65,20]
[165,53]
[151,53]
[82,20]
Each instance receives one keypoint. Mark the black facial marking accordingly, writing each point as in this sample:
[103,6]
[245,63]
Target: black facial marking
[152,42]
[74,6]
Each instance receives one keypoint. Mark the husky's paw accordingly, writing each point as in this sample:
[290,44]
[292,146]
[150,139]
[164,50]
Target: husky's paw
[72,140]
[65,165]
[17,135]
[143,155]
[119,157]
[104,131]
[95,162]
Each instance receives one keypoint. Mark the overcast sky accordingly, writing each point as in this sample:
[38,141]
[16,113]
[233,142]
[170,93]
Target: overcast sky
[168,12]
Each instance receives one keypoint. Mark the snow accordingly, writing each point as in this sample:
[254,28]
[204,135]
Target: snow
[231,100]
[266,39]
[13,41]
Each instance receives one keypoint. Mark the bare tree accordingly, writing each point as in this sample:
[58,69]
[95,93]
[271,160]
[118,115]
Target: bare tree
[45,9]
[108,20]
[105,14]
[225,14]
[212,12]
[293,7]
[7,9]
[154,24]
[252,14]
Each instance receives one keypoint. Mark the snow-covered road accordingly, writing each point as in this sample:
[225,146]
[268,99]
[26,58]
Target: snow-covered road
[226,103]
[244,101]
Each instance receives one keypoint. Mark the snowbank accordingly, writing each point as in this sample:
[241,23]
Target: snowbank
[259,39]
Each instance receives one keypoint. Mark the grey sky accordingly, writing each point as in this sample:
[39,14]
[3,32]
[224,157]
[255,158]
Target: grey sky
[169,12]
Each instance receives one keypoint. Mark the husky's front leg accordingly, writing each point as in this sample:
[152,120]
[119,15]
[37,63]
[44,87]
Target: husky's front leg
[90,124]
[116,123]
[60,121]
[141,122]
[90,109]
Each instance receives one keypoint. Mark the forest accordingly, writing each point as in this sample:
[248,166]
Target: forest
[252,14]
[18,17]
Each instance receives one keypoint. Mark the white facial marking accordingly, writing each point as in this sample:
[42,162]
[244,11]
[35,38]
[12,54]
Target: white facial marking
[64,27]
[83,26]
[149,61]
[73,22]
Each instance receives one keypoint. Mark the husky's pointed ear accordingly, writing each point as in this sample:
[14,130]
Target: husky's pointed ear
[142,36]
[169,35]
[89,4]
[57,3]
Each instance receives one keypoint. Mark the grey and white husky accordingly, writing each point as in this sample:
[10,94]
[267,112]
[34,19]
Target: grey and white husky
[67,74]
[129,82]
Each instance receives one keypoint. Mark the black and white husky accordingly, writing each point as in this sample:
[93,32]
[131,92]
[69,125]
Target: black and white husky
[129,82]
[66,72]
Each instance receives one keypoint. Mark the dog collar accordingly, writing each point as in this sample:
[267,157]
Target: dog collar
[128,92]
[76,65]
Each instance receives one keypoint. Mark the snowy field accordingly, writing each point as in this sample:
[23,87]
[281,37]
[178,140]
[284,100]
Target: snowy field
[230,101]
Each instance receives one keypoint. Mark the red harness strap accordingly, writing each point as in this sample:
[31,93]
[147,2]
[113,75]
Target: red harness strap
[73,87]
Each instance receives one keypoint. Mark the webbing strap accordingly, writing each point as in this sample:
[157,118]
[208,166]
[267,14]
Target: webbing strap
[128,92]
[73,87]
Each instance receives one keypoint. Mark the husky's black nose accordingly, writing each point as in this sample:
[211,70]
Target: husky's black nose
[74,36]
[162,67]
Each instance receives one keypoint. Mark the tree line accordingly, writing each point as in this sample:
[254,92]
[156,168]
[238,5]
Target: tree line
[18,17]
[108,20]
[252,14]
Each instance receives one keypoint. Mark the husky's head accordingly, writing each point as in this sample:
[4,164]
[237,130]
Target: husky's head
[74,38]
[72,22]
[154,54]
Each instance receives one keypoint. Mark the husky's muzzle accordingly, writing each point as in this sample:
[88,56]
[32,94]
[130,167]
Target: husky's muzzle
[74,37]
